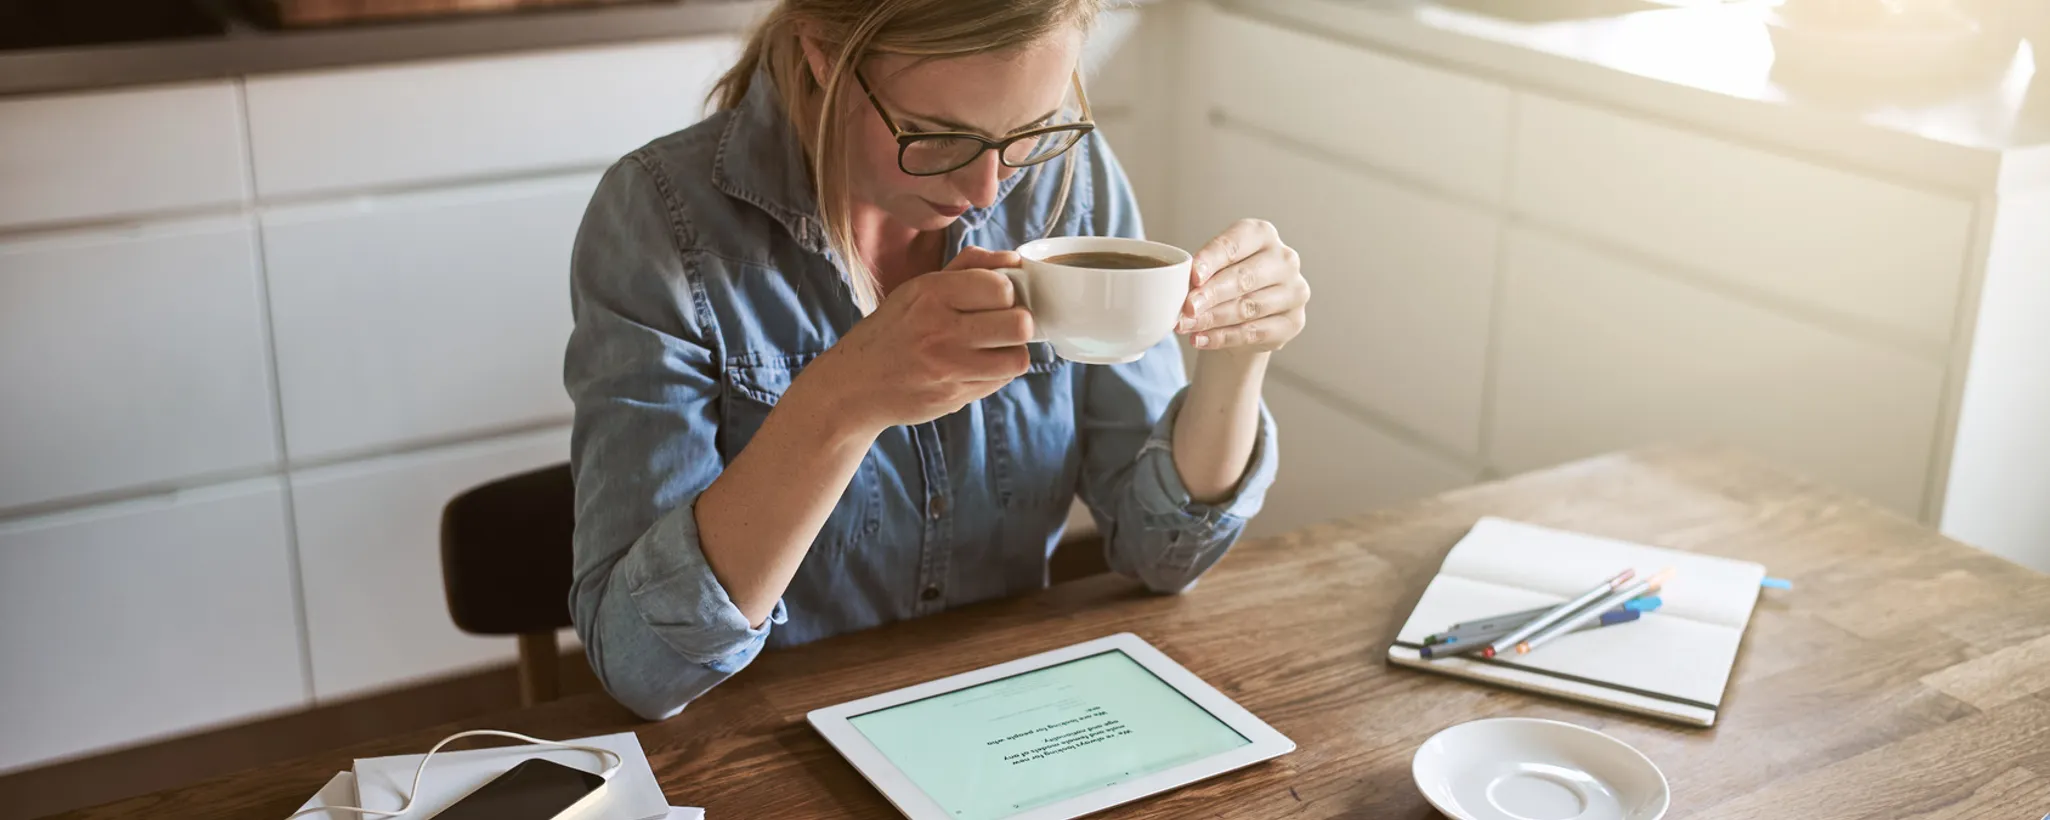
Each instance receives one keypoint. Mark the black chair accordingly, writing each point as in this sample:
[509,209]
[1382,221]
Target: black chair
[505,567]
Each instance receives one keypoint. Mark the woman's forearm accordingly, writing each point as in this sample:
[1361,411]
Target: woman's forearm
[1219,422]
[760,516]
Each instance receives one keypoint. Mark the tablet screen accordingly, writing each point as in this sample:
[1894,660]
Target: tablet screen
[1017,743]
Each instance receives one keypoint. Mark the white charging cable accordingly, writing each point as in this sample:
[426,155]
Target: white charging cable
[414,794]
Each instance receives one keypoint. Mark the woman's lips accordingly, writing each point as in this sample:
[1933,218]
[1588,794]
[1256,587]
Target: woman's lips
[947,210]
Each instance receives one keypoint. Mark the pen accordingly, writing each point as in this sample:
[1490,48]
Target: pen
[1560,612]
[1519,617]
[1609,618]
[1497,623]
[1490,629]
[1544,636]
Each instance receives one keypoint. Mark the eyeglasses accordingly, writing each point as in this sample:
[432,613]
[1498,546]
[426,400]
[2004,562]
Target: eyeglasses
[931,153]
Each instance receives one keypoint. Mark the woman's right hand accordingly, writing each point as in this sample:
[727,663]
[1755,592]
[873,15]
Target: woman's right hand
[938,342]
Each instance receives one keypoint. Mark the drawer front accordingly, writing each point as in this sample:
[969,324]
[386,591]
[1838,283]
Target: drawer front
[1437,127]
[370,562]
[412,124]
[1335,465]
[143,619]
[120,153]
[131,358]
[421,317]
[1598,354]
[1404,283]
[1827,239]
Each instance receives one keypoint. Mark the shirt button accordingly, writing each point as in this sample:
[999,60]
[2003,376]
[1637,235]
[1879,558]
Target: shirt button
[938,506]
[931,593]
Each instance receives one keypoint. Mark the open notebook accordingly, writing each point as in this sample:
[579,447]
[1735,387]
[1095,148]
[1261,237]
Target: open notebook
[1673,663]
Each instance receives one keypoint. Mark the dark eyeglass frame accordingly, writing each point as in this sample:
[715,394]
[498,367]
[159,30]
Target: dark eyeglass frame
[906,139]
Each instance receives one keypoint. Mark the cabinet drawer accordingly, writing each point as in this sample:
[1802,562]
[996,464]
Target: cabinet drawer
[1598,354]
[370,562]
[1334,465]
[410,318]
[1833,240]
[409,124]
[119,153]
[131,358]
[138,620]
[1437,127]
[1404,283]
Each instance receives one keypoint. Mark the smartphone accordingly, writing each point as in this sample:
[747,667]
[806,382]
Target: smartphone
[536,789]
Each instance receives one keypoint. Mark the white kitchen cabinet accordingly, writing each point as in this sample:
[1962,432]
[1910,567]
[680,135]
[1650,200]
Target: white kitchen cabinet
[1335,464]
[420,317]
[145,618]
[411,124]
[1403,281]
[73,157]
[1117,74]
[1600,354]
[370,561]
[131,358]
[1146,170]
[1829,240]
[2000,471]
[1435,127]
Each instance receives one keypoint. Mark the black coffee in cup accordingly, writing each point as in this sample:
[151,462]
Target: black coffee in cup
[1107,260]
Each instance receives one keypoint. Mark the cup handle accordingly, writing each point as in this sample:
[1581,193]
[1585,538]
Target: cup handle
[1023,297]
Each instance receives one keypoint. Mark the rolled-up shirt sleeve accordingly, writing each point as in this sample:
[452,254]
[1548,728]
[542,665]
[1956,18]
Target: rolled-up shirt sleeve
[1153,530]
[658,627]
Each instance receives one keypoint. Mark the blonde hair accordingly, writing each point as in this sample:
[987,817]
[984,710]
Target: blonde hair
[852,30]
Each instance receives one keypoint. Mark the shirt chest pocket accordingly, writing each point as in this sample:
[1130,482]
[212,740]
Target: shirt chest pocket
[1032,436]
[753,386]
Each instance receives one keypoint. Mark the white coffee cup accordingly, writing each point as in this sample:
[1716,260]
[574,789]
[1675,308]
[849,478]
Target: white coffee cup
[1101,315]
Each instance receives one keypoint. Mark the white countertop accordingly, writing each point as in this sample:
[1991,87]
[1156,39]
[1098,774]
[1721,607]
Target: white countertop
[1710,66]
[248,50]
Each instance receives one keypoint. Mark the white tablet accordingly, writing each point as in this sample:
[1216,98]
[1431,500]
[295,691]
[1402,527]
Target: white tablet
[1050,737]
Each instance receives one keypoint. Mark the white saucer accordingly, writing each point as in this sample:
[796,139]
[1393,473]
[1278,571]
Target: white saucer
[1531,769]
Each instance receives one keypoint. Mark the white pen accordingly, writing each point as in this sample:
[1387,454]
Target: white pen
[1557,613]
[1647,586]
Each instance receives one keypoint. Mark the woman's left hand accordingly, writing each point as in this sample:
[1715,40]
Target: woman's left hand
[1246,291]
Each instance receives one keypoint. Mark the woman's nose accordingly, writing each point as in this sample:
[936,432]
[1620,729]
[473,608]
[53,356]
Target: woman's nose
[979,180]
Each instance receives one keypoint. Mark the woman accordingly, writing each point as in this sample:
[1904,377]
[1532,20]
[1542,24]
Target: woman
[805,404]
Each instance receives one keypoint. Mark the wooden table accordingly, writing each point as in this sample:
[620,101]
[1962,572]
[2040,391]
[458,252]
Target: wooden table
[1905,676]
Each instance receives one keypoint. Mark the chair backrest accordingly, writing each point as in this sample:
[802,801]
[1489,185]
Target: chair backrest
[505,553]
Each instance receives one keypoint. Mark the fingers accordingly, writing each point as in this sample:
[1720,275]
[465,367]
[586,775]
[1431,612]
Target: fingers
[970,289]
[987,329]
[1243,239]
[974,257]
[1269,301]
[999,365]
[1273,266]
[1270,332]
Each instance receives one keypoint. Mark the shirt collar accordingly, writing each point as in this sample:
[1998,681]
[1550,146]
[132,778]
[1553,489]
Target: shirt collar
[761,162]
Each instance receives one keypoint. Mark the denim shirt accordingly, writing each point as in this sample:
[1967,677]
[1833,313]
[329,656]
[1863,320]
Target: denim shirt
[702,284]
